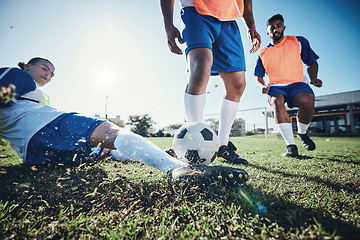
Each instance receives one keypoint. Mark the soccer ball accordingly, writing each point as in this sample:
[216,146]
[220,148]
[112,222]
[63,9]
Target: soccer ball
[196,143]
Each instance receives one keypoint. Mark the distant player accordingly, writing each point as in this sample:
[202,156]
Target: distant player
[282,61]
[42,134]
[213,47]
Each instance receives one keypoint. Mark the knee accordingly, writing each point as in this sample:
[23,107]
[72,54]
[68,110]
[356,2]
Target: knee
[306,102]
[240,84]
[277,103]
[200,63]
[234,83]
[104,134]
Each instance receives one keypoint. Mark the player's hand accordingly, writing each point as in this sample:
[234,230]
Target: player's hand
[316,83]
[104,153]
[255,40]
[265,89]
[172,33]
[7,94]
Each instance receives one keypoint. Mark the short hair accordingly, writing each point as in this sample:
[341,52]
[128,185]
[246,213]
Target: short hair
[274,18]
[33,61]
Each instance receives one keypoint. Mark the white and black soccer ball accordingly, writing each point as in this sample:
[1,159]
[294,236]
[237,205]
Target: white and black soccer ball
[196,143]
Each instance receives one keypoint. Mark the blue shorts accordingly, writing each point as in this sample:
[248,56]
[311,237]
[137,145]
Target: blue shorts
[222,37]
[289,91]
[64,140]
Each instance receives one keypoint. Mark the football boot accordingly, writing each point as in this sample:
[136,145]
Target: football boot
[308,144]
[229,154]
[291,151]
[204,174]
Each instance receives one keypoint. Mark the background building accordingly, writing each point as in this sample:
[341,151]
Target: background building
[335,114]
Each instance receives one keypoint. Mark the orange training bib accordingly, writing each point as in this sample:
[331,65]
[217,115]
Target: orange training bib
[282,62]
[220,9]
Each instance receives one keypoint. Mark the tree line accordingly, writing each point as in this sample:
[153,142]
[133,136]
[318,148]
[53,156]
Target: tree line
[142,125]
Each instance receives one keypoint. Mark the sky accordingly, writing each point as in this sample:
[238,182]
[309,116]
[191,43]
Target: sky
[113,55]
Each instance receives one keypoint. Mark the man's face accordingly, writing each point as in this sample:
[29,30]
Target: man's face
[276,31]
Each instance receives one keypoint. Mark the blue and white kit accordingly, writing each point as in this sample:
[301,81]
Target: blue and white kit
[38,132]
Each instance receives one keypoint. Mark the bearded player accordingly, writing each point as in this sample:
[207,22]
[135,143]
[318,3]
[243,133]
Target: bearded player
[282,61]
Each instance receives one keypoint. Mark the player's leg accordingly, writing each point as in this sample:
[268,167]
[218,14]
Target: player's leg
[234,86]
[305,102]
[198,34]
[283,122]
[229,62]
[63,140]
[277,101]
[130,146]
[200,61]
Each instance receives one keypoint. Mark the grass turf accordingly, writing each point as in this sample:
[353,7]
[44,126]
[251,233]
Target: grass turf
[315,196]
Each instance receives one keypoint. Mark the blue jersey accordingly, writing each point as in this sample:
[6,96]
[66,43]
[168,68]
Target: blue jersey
[22,81]
[308,56]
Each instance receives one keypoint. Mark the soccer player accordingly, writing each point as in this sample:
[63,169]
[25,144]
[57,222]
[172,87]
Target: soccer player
[213,47]
[42,134]
[282,61]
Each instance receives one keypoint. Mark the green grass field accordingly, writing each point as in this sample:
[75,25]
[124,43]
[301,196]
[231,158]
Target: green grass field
[316,196]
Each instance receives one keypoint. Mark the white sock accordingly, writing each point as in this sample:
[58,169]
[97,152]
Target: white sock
[194,107]
[131,146]
[228,112]
[287,133]
[302,127]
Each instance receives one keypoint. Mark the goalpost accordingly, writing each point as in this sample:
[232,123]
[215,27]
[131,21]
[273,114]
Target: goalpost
[255,119]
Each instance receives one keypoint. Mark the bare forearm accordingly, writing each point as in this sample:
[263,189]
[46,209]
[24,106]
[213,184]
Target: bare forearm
[260,82]
[248,18]
[248,15]
[172,33]
[313,74]
[167,9]
[313,71]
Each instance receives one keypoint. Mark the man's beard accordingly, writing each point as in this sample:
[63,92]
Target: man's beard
[278,37]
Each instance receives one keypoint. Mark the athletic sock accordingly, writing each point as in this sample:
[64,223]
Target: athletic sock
[287,133]
[194,107]
[302,127]
[228,112]
[131,146]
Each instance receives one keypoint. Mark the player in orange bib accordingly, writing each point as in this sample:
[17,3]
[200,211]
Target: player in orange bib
[213,46]
[282,61]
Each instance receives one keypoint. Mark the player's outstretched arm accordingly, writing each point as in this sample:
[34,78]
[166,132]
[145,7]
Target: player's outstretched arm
[172,33]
